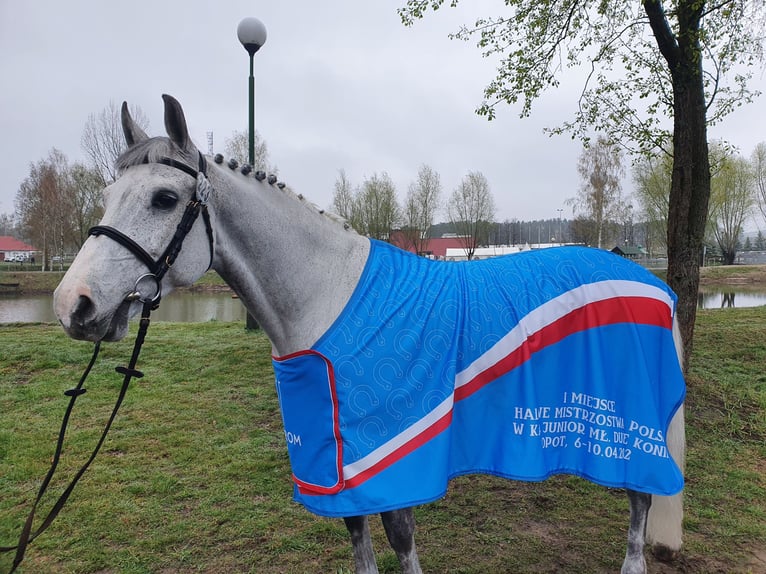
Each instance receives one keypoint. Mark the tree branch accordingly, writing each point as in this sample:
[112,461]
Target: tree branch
[666,40]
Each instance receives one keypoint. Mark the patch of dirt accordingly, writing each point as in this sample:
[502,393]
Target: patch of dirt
[686,565]
[707,565]
[757,564]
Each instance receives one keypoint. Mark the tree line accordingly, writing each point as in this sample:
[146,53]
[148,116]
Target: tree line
[602,215]
[59,201]
[372,208]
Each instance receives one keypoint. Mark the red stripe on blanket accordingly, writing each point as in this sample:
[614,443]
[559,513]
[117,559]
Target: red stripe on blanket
[413,444]
[636,310]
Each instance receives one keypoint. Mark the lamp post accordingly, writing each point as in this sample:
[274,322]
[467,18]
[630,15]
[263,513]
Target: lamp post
[561,239]
[252,35]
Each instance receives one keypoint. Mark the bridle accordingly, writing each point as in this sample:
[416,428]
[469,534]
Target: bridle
[160,266]
[157,269]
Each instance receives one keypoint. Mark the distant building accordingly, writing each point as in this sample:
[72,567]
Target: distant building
[11,249]
[454,254]
[634,252]
[451,247]
[435,247]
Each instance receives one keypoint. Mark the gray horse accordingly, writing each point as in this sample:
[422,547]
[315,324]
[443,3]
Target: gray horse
[298,270]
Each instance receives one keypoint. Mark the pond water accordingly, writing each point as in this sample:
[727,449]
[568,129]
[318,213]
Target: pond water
[203,307]
[176,307]
[720,299]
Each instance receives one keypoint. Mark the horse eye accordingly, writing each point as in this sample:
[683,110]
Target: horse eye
[164,199]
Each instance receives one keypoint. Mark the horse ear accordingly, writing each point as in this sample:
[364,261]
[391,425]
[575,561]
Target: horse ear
[175,122]
[133,133]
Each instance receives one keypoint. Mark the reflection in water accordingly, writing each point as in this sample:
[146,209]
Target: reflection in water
[729,299]
[176,307]
[200,308]
[203,307]
[33,309]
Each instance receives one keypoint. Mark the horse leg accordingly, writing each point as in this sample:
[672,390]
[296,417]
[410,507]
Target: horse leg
[364,555]
[635,563]
[400,530]
[664,527]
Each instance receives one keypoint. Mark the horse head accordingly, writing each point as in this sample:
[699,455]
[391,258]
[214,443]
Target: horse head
[132,256]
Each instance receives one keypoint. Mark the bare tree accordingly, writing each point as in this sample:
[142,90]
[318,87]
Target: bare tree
[87,201]
[377,212]
[343,197]
[103,140]
[420,207]
[8,224]
[57,204]
[651,177]
[238,147]
[471,210]
[41,206]
[600,197]
[731,203]
[758,162]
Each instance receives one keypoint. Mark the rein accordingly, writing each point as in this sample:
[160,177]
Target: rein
[27,536]
[157,269]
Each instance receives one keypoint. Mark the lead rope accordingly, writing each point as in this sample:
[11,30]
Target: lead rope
[157,269]
[129,372]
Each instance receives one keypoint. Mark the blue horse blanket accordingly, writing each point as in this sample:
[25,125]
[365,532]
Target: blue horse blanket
[545,362]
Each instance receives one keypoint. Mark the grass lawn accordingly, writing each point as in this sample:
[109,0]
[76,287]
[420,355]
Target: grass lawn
[194,476]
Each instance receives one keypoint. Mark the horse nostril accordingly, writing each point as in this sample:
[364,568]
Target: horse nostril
[83,310]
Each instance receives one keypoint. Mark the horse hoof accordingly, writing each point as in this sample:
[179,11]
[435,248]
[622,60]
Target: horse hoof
[664,553]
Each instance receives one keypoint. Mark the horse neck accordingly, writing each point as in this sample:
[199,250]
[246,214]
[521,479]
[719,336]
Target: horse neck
[293,268]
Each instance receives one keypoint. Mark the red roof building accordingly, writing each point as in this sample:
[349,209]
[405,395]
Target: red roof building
[436,247]
[10,247]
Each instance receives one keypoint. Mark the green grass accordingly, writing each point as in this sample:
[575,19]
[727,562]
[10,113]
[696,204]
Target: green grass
[194,476]
[723,273]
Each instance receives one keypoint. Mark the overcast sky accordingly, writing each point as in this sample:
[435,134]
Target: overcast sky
[340,84]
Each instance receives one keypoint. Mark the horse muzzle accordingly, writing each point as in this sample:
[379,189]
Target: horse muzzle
[80,317]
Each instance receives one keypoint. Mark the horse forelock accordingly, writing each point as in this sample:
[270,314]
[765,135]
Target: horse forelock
[151,151]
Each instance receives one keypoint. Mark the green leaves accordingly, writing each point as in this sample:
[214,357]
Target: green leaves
[415,9]
[627,51]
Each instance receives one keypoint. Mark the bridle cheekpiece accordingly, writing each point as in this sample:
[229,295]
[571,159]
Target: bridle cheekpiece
[158,267]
